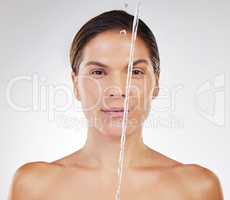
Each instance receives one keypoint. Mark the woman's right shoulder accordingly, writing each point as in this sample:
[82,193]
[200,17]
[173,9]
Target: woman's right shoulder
[31,179]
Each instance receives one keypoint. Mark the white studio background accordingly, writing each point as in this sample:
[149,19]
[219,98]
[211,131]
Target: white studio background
[189,120]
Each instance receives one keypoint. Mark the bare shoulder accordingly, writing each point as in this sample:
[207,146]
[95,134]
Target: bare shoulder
[201,182]
[29,175]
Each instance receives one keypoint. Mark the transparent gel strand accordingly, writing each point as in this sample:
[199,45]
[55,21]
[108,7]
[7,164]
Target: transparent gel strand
[125,117]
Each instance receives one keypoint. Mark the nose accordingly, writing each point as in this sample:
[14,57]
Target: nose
[116,93]
[116,87]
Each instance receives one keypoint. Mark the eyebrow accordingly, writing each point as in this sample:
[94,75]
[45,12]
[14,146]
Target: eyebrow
[106,66]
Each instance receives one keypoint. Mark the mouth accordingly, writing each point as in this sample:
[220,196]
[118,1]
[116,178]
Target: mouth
[114,112]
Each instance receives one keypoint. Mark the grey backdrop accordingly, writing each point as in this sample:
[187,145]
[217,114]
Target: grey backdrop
[189,120]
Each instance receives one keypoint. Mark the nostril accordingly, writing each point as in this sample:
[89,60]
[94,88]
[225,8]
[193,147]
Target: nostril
[123,95]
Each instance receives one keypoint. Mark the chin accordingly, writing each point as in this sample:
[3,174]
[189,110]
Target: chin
[114,130]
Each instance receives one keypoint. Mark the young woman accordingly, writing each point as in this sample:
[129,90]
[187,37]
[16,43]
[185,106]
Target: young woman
[99,59]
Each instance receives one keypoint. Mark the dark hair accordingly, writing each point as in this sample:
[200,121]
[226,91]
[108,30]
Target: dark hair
[112,20]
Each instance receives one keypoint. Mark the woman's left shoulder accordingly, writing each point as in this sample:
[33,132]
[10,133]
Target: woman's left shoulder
[200,180]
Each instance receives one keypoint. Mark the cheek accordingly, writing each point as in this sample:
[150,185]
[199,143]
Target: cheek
[90,91]
[143,93]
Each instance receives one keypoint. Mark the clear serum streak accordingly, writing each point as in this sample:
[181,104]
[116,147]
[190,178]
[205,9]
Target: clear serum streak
[124,121]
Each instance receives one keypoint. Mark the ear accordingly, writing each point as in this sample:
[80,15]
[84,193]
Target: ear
[75,85]
[156,91]
[156,88]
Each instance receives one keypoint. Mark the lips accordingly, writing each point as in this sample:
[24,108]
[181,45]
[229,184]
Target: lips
[114,112]
[114,109]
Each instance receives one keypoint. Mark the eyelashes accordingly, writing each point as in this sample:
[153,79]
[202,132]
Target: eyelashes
[95,72]
[101,72]
[138,71]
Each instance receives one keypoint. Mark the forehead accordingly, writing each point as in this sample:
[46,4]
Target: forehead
[111,46]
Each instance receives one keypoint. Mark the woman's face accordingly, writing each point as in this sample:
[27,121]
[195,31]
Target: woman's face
[101,82]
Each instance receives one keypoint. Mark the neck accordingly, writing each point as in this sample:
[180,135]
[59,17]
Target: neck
[104,151]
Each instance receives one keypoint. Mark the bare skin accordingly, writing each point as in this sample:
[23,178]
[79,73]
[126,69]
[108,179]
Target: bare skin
[66,179]
[91,172]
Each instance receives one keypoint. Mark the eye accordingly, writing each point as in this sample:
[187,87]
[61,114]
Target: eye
[97,72]
[137,72]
